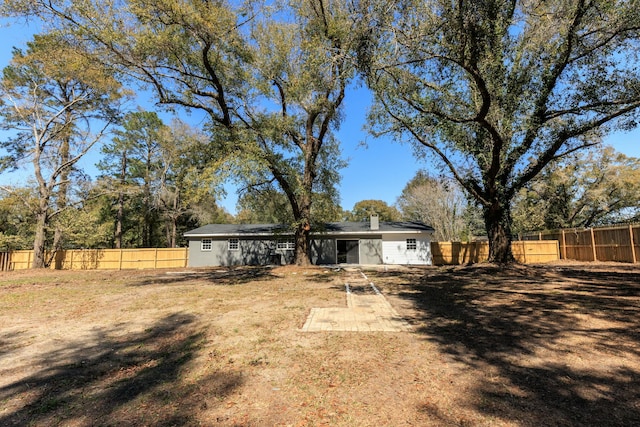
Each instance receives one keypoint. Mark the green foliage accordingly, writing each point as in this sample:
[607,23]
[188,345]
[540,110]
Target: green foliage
[131,163]
[441,203]
[268,205]
[54,99]
[363,210]
[596,187]
[159,176]
[264,206]
[82,227]
[17,219]
[495,91]
[271,78]
[51,97]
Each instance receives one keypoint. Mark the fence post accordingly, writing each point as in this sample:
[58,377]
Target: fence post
[155,259]
[633,247]
[564,246]
[593,245]
[120,262]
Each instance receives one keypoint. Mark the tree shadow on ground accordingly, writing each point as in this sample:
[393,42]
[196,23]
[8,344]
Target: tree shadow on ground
[115,379]
[9,341]
[240,275]
[226,276]
[562,342]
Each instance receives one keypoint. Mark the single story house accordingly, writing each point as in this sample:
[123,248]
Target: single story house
[371,242]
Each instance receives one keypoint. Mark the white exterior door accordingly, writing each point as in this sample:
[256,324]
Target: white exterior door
[406,249]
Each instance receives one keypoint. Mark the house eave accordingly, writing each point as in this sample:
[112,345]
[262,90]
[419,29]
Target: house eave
[237,234]
[313,234]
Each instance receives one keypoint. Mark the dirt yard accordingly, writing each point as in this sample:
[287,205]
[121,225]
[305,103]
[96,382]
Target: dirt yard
[548,345]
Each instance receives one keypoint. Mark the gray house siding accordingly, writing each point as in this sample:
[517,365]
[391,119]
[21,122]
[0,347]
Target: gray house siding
[350,242]
[250,252]
[371,251]
[198,257]
[323,251]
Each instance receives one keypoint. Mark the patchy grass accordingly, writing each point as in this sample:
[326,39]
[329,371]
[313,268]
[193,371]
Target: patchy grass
[528,346]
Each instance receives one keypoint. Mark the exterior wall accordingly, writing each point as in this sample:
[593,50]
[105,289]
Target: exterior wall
[198,258]
[323,251]
[371,251]
[385,249]
[394,248]
[250,252]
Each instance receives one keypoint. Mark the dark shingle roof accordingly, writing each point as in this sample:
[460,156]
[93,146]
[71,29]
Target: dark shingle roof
[364,227]
[239,229]
[330,228]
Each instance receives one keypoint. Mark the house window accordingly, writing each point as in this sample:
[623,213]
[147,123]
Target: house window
[205,245]
[234,245]
[287,245]
[412,245]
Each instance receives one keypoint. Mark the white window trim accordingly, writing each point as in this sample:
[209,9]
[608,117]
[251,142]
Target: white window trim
[412,244]
[236,243]
[203,245]
[286,245]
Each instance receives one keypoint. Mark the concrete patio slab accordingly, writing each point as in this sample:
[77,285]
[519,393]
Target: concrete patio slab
[364,313]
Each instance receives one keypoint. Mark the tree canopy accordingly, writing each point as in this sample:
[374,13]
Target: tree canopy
[496,90]
[363,210]
[271,79]
[595,187]
[440,203]
[56,105]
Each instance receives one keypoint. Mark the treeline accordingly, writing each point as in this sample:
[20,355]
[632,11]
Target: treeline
[150,193]
[497,93]
[151,188]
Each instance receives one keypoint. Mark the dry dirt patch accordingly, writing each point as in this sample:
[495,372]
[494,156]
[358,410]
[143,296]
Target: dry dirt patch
[541,345]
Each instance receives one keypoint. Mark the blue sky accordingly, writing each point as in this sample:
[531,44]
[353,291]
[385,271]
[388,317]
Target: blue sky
[378,169]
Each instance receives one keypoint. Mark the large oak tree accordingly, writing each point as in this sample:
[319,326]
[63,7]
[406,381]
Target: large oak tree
[497,89]
[270,80]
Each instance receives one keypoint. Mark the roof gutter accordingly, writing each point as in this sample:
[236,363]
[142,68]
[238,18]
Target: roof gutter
[313,233]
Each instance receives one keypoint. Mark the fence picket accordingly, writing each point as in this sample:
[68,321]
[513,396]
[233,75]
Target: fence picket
[608,243]
[87,259]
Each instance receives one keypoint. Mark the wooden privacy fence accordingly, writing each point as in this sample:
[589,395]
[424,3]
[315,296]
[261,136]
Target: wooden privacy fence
[5,259]
[444,253]
[455,253]
[100,259]
[614,243]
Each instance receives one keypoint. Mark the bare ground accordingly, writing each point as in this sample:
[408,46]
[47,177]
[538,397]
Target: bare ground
[554,345]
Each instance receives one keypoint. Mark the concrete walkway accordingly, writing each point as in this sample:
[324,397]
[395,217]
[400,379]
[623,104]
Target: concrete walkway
[367,310]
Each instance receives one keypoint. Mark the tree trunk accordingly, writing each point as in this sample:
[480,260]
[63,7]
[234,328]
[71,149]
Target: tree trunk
[119,219]
[40,239]
[171,230]
[174,231]
[301,207]
[497,219]
[303,220]
[120,212]
[303,231]
[175,214]
[63,188]
[148,226]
